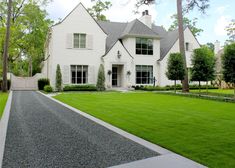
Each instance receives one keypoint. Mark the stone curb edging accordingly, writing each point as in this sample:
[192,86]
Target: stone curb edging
[162,151]
[3,126]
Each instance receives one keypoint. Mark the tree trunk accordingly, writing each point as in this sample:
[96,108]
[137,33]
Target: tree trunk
[175,86]
[30,68]
[6,46]
[181,44]
[207,87]
[199,88]
[234,89]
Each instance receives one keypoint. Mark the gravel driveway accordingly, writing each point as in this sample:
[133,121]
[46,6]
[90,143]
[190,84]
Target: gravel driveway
[43,133]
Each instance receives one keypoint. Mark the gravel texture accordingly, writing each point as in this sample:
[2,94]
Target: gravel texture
[43,133]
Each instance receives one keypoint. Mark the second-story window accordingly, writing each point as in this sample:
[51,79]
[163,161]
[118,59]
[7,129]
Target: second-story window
[79,40]
[144,46]
[187,46]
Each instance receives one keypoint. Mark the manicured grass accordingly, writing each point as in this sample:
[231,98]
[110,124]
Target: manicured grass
[202,130]
[216,92]
[3,100]
[220,91]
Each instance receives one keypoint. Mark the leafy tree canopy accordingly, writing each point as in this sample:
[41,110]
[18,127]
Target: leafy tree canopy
[231,31]
[29,27]
[229,63]
[98,8]
[203,63]
[187,22]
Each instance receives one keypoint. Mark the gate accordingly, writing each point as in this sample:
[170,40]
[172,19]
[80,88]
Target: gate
[25,83]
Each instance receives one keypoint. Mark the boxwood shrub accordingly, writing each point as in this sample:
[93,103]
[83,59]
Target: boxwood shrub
[80,88]
[167,88]
[48,89]
[43,82]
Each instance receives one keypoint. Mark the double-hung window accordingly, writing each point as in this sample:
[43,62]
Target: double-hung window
[144,46]
[79,40]
[144,74]
[79,74]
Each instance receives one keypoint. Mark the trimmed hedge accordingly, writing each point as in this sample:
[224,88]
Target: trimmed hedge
[80,88]
[167,88]
[42,83]
[8,84]
[48,89]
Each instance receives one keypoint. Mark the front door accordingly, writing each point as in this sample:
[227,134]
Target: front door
[115,76]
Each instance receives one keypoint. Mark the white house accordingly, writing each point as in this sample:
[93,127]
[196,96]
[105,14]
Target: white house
[133,53]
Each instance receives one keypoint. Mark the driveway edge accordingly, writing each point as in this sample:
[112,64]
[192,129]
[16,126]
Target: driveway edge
[4,125]
[178,160]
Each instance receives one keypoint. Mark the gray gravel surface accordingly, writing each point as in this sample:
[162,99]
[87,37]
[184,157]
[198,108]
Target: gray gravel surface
[43,133]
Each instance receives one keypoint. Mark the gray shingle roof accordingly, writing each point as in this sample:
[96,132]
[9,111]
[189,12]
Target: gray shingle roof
[136,27]
[118,30]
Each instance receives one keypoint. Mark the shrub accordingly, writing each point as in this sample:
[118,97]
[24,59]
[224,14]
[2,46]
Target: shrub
[58,79]
[48,88]
[101,79]
[43,82]
[80,88]
[167,88]
[8,84]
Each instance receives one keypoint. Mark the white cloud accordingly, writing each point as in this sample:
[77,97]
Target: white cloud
[221,9]
[121,10]
[221,24]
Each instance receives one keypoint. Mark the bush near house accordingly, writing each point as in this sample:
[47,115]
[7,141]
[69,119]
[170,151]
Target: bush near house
[48,89]
[8,84]
[167,88]
[80,88]
[43,82]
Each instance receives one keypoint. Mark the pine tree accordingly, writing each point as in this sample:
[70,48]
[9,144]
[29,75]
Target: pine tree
[101,79]
[58,78]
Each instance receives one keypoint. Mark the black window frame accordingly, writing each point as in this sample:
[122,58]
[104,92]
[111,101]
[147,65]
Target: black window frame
[144,46]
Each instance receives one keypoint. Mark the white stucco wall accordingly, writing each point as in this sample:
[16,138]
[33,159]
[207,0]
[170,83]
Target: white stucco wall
[162,78]
[130,44]
[125,60]
[78,21]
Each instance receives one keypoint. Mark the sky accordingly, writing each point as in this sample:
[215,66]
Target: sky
[213,22]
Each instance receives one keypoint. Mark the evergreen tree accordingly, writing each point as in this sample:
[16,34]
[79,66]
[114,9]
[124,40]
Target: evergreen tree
[229,64]
[175,67]
[101,79]
[203,62]
[58,78]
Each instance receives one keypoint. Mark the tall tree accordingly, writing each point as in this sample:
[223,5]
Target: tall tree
[210,46]
[229,64]
[29,26]
[231,31]
[202,5]
[97,9]
[6,46]
[175,68]
[203,63]
[186,22]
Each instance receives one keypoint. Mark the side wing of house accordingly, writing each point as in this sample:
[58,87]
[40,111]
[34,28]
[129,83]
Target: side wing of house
[191,43]
[77,45]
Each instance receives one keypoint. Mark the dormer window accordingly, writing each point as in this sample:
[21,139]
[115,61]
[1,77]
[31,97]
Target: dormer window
[79,40]
[144,46]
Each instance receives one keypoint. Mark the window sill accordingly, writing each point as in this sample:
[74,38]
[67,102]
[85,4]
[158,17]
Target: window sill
[82,49]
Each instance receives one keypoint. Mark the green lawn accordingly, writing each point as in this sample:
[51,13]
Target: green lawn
[228,92]
[3,100]
[202,130]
